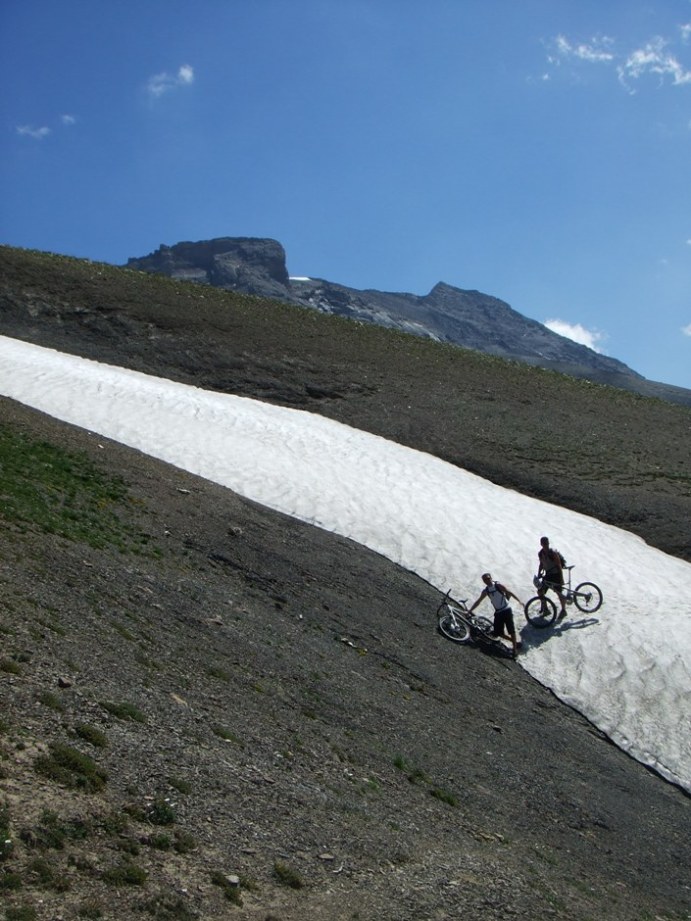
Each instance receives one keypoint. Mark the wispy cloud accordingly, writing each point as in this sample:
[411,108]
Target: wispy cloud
[29,131]
[165,82]
[594,51]
[577,333]
[654,57]
[686,330]
[40,134]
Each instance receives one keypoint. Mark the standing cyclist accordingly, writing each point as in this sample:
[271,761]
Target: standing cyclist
[551,573]
[499,595]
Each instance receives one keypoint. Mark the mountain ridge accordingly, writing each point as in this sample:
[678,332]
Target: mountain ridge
[466,318]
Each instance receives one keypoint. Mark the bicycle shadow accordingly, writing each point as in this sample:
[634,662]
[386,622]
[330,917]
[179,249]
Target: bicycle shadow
[533,637]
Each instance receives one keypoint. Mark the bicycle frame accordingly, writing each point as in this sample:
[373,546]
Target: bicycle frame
[452,614]
[570,594]
[541,611]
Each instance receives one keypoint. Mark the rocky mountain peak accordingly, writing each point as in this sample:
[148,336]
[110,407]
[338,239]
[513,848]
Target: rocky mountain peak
[249,264]
[466,318]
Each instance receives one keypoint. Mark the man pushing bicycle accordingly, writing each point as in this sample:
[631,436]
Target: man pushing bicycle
[499,595]
[550,573]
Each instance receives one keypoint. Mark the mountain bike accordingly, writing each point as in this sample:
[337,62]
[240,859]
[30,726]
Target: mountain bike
[542,611]
[456,622]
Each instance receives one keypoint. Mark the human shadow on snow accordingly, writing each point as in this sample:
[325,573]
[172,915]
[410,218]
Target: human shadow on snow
[532,637]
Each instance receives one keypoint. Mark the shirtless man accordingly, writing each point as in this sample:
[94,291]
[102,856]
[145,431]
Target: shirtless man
[551,573]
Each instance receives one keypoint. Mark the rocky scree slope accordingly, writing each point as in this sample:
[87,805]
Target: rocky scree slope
[211,711]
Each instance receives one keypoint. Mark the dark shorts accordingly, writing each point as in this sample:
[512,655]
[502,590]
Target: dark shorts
[503,620]
[554,579]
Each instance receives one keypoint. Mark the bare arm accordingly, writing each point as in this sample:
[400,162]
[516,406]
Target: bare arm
[473,606]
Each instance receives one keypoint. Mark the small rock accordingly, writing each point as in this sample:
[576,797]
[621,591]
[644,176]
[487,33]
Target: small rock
[65,683]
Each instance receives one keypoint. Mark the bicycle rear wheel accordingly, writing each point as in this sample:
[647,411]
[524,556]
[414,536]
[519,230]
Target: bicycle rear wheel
[453,628]
[588,597]
[541,612]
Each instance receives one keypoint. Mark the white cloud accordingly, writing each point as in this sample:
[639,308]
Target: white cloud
[686,330]
[653,58]
[68,120]
[577,333]
[163,83]
[38,134]
[594,51]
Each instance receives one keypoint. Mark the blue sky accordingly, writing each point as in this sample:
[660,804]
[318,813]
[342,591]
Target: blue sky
[537,151]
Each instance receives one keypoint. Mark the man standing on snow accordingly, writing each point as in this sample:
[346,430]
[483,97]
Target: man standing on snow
[551,573]
[499,595]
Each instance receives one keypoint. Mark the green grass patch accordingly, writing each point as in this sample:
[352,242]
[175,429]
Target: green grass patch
[161,812]
[215,672]
[126,873]
[181,785]
[52,832]
[51,700]
[226,734]
[124,710]
[64,493]
[287,875]
[46,875]
[92,735]
[9,881]
[231,889]
[21,913]
[10,667]
[444,796]
[70,768]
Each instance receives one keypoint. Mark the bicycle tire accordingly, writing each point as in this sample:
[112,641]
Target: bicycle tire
[454,629]
[593,597]
[540,612]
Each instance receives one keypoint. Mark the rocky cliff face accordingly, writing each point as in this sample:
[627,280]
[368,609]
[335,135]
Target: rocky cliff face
[466,318]
[245,264]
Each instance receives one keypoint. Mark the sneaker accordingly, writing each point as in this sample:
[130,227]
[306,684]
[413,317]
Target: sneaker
[562,615]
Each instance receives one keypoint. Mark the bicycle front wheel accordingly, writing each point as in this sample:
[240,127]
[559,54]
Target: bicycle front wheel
[541,612]
[588,597]
[453,628]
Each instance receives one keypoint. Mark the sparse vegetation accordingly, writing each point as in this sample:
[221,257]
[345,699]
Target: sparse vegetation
[161,812]
[231,888]
[92,735]
[71,768]
[287,875]
[53,832]
[63,493]
[125,873]
[51,700]
[124,710]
